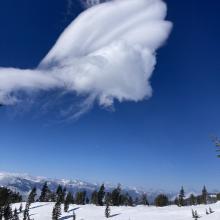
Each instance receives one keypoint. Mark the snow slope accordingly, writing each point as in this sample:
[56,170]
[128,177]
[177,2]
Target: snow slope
[42,211]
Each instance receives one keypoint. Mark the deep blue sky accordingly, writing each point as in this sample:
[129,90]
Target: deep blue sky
[164,142]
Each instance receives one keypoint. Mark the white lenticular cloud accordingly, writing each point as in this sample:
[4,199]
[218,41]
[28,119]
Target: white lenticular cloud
[106,54]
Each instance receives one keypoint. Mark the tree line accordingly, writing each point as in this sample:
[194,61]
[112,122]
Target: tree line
[7,197]
[99,197]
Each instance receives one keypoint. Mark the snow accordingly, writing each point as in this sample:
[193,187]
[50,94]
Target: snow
[42,211]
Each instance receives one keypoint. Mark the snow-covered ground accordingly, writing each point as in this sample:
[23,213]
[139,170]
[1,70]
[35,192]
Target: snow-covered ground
[42,211]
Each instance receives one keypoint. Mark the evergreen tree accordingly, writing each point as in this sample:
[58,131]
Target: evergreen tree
[68,201]
[45,193]
[107,211]
[26,215]
[94,198]
[181,197]
[204,195]
[32,195]
[176,201]
[60,194]
[56,211]
[108,198]
[80,198]
[218,196]
[161,200]
[126,199]
[7,212]
[7,197]
[1,213]
[87,200]
[130,201]
[199,200]
[116,196]
[144,200]
[192,200]
[136,201]
[15,215]
[101,195]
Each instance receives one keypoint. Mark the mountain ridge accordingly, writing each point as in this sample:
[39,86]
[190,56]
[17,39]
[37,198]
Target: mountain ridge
[23,183]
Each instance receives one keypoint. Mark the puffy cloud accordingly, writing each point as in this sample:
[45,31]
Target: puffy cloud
[107,53]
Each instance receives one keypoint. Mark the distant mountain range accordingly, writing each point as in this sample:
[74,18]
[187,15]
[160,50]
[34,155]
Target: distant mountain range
[23,183]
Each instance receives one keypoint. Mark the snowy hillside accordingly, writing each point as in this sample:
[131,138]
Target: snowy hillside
[42,211]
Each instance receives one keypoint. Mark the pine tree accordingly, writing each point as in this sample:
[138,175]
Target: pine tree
[26,215]
[15,215]
[176,201]
[60,194]
[204,195]
[94,198]
[116,196]
[56,211]
[7,212]
[130,201]
[136,201]
[192,200]
[108,198]
[199,200]
[107,211]
[181,197]
[144,200]
[126,199]
[1,213]
[8,196]
[80,198]
[68,201]
[45,193]
[87,200]
[161,200]
[101,195]
[32,195]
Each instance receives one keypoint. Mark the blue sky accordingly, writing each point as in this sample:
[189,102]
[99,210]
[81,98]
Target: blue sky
[164,142]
